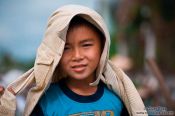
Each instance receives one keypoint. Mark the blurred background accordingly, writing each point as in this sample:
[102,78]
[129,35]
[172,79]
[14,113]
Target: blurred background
[142,41]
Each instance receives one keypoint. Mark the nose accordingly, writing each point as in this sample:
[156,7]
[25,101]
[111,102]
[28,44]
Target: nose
[77,55]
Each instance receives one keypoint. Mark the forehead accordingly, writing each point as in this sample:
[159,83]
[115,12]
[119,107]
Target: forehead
[79,21]
[82,33]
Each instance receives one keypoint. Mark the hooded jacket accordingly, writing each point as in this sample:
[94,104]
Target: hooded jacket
[48,56]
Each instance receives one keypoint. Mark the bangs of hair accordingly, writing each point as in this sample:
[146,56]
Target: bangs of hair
[79,21]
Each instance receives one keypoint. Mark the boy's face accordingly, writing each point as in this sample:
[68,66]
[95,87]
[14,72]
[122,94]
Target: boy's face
[81,54]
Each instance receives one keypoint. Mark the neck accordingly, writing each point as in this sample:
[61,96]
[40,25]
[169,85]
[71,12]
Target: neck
[81,87]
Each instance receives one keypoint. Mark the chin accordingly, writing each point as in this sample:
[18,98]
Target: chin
[79,76]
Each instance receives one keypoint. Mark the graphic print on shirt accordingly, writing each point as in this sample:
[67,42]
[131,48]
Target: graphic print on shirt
[95,113]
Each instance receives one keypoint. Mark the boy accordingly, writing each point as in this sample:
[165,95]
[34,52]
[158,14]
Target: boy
[74,56]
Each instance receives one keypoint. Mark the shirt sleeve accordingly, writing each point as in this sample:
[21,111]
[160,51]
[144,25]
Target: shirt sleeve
[124,111]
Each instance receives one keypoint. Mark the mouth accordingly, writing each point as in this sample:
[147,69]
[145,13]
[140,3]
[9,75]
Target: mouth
[79,68]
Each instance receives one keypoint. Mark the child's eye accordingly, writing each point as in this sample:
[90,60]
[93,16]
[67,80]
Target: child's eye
[66,48]
[87,45]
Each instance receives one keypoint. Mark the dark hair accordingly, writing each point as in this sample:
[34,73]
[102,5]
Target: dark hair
[79,21]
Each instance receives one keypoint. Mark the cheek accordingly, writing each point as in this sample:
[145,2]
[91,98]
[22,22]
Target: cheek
[98,51]
[94,55]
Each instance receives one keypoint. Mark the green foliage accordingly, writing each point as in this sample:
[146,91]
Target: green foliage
[7,63]
[113,47]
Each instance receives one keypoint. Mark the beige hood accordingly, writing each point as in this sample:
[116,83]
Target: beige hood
[55,35]
[48,57]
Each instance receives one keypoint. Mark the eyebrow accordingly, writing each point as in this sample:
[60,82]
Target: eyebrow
[87,40]
[83,41]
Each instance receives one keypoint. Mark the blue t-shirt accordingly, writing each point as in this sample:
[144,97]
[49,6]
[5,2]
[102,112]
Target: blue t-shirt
[59,100]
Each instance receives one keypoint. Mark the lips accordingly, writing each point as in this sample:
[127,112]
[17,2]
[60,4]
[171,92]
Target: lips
[79,67]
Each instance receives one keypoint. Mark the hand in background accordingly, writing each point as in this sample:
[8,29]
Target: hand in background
[9,89]
[1,90]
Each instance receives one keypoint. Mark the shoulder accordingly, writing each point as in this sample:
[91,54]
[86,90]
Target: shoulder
[112,95]
[46,101]
[51,93]
[116,100]
[50,90]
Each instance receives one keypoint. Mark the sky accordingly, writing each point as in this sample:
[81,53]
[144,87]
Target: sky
[23,22]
